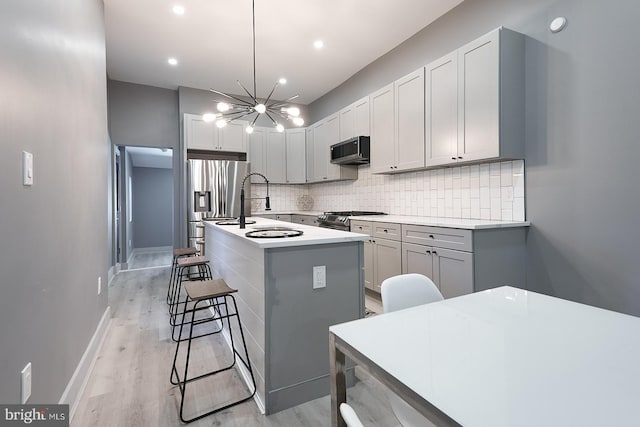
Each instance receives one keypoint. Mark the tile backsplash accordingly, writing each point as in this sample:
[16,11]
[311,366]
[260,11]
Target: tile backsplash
[486,191]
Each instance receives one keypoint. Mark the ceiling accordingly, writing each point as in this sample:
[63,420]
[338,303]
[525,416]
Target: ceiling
[143,157]
[212,41]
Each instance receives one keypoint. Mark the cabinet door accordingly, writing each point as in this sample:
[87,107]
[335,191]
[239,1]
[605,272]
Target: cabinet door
[418,259]
[441,124]
[361,108]
[369,262]
[478,98]
[347,122]
[409,121]
[382,130]
[256,144]
[296,161]
[232,137]
[453,271]
[320,152]
[198,134]
[309,154]
[388,255]
[276,157]
[332,135]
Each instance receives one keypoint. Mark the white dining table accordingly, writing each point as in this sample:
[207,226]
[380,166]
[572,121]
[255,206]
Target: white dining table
[501,357]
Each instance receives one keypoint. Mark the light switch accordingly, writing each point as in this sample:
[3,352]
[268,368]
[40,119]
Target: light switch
[27,168]
[319,277]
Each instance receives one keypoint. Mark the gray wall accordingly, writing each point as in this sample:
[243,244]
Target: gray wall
[147,116]
[53,235]
[582,134]
[152,207]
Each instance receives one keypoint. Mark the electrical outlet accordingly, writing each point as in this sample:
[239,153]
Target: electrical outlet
[319,277]
[25,383]
[99,285]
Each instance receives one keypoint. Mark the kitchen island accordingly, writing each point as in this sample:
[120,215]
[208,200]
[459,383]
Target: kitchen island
[286,311]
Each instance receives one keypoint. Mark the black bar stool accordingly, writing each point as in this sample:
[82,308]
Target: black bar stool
[209,293]
[178,253]
[185,264]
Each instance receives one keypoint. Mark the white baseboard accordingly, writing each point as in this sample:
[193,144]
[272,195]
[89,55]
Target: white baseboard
[78,382]
[244,372]
[111,273]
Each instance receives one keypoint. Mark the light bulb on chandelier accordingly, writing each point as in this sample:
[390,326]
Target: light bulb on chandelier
[236,107]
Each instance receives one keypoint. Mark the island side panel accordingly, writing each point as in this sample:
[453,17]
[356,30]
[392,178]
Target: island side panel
[241,265]
[298,317]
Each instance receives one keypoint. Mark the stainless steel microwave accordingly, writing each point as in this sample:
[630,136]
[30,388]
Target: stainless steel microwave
[354,151]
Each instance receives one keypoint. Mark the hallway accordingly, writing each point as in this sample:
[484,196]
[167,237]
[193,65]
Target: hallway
[129,385]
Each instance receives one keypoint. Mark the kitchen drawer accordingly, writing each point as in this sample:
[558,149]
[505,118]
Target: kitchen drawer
[363,227]
[386,230]
[285,217]
[449,238]
[305,219]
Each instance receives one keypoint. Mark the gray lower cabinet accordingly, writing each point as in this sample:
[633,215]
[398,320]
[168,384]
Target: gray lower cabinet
[304,219]
[450,270]
[382,256]
[387,261]
[459,261]
[278,217]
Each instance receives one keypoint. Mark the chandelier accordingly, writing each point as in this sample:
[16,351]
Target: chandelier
[234,108]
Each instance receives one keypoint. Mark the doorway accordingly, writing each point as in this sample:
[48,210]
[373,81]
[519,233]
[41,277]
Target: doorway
[144,207]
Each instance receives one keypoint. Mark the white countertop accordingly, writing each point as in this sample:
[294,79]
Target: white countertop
[312,213]
[509,357]
[470,224]
[312,235]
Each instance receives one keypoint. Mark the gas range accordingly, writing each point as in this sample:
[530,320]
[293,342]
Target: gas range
[340,220]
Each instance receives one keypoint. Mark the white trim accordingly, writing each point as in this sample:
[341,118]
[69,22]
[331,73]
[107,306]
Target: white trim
[244,372]
[111,273]
[145,268]
[78,382]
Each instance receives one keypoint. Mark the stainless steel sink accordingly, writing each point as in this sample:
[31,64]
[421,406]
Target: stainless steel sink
[273,233]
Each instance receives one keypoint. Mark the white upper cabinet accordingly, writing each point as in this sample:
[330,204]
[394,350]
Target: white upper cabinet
[256,153]
[397,125]
[198,134]
[201,135]
[332,135]
[409,121]
[483,83]
[381,104]
[323,134]
[295,156]
[276,157]
[442,110]
[309,154]
[320,152]
[347,122]
[232,137]
[354,119]
[361,109]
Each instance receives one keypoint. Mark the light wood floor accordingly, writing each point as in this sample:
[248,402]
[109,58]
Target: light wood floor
[129,385]
[147,259]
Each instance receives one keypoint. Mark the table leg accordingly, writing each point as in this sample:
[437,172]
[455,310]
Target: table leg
[338,381]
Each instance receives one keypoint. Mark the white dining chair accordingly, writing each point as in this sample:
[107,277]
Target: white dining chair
[400,292]
[349,416]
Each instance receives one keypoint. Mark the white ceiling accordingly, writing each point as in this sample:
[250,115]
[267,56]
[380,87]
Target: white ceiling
[143,157]
[212,41]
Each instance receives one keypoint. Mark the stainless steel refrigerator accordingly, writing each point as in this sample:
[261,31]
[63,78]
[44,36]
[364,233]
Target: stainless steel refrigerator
[213,191]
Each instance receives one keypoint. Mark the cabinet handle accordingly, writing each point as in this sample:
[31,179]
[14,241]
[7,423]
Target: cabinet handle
[460,157]
[453,158]
[429,252]
[431,236]
[435,253]
[360,227]
[390,167]
[385,230]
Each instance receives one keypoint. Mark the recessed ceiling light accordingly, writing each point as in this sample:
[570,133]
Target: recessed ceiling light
[318,44]
[178,10]
[172,61]
[282,81]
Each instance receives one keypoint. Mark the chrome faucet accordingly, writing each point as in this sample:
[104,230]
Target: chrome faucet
[267,203]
